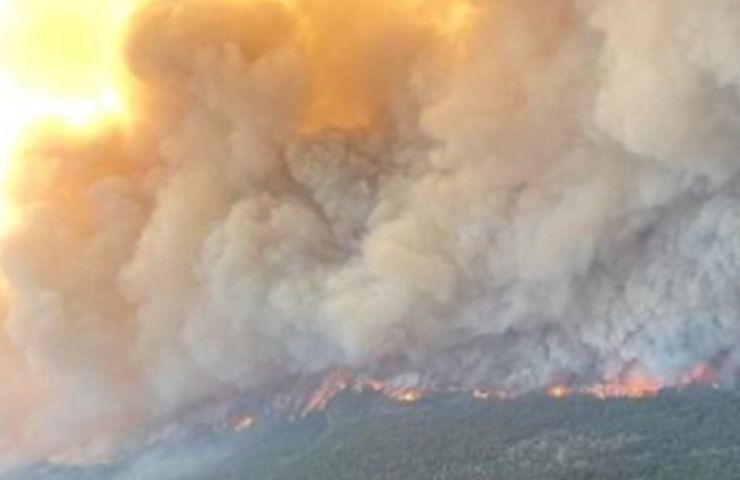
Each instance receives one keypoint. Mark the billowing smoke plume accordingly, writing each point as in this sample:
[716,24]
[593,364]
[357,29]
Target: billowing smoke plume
[492,192]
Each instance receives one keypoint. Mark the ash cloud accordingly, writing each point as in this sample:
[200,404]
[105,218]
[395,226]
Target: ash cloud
[548,191]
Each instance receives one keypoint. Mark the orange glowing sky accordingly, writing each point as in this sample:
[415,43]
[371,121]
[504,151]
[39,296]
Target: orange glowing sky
[60,60]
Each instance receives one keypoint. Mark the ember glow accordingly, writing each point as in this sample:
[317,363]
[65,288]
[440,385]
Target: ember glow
[636,388]
[339,382]
[244,423]
[217,199]
[409,396]
[632,386]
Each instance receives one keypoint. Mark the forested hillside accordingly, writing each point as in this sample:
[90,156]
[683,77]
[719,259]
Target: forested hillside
[693,434]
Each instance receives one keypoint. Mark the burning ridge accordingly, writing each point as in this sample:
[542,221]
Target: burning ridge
[212,198]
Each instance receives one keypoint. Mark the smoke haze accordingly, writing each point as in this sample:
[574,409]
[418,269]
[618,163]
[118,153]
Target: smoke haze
[493,192]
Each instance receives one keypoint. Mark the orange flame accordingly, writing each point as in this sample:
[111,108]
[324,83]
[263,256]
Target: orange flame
[408,396]
[632,385]
[559,391]
[332,386]
[244,423]
[636,388]
[703,374]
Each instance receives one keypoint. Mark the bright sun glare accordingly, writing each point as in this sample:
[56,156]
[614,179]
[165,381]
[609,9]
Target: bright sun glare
[60,60]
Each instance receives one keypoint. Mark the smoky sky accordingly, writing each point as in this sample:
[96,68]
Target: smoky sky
[544,190]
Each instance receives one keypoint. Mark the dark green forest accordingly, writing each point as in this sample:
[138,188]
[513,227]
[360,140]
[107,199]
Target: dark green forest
[692,434]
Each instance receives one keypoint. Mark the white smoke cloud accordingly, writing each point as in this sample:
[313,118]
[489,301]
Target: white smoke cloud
[558,198]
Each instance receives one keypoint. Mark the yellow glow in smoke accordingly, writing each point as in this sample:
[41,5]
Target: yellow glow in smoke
[449,17]
[59,60]
[355,47]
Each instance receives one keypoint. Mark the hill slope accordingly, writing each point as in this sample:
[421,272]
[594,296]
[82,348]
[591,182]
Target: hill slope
[679,435]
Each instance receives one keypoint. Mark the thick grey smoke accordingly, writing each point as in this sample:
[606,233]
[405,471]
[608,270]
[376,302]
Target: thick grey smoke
[550,191]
